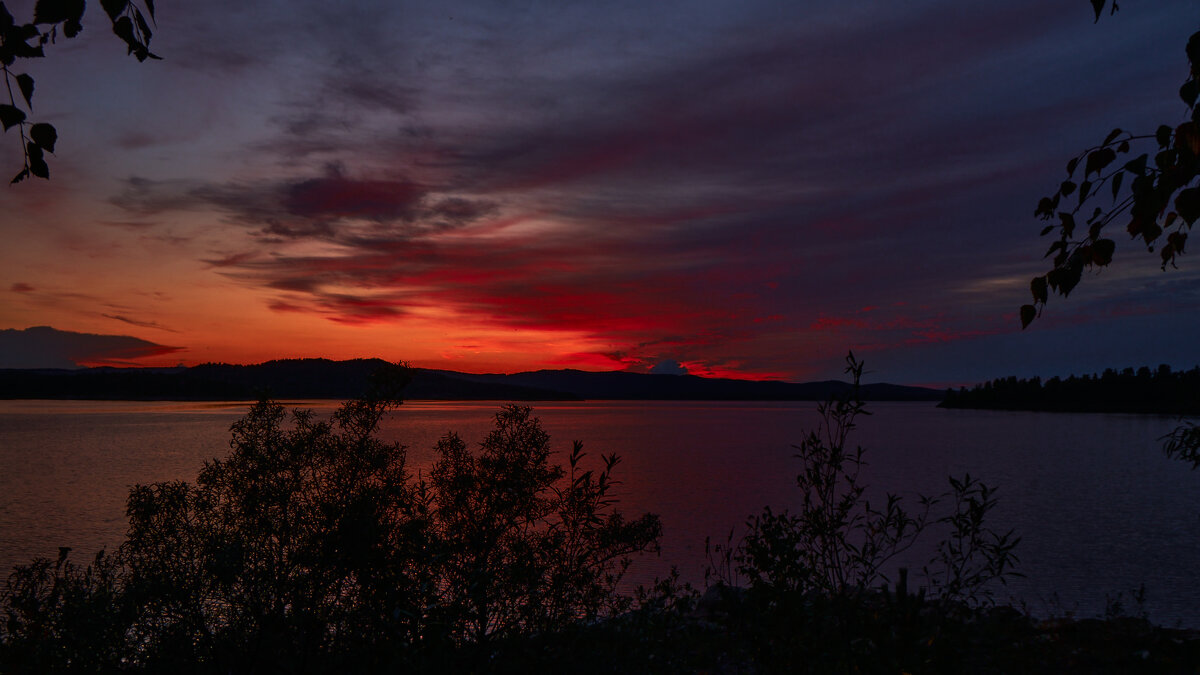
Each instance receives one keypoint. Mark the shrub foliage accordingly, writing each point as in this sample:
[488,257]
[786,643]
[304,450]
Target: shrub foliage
[312,546]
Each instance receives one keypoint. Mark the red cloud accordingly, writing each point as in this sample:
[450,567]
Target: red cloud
[340,197]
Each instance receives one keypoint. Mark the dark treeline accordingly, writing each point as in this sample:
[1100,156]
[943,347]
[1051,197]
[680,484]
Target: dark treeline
[1158,391]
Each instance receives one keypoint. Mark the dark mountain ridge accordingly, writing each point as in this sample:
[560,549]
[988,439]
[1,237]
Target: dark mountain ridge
[326,379]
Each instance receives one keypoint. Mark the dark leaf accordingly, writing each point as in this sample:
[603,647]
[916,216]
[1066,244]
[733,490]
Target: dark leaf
[6,21]
[58,11]
[1150,232]
[1137,165]
[1047,230]
[1054,277]
[1168,255]
[37,163]
[1112,136]
[51,11]
[1123,147]
[1189,91]
[1085,189]
[123,28]
[21,175]
[1177,240]
[1056,246]
[1193,48]
[1071,275]
[1067,223]
[1039,290]
[1187,136]
[1097,160]
[1098,5]
[1085,254]
[1045,208]
[142,26]
[1134,228]
[25,83]
[72,28]
[1102,251]
[1187,204]
[150,8]
[114,8]
[1066,188]
[1116,184]
[1166,159]
[1028,313]
[1071,166]
[10,115]
[44,135]
[1163,136]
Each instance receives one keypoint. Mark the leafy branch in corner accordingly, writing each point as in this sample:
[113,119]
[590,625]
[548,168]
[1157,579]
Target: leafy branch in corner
[28,41]
[1152,193]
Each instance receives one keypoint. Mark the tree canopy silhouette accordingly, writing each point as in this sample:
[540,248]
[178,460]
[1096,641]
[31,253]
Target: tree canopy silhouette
[1151,178]
[52,18]
[312,547]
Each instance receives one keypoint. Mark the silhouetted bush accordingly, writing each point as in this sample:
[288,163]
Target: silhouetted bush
[820,595]
[312,548]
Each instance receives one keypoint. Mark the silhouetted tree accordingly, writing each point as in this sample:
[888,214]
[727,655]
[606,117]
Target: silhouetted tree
[311,548]
[525,546]
[27,41]
[838,543]
[1153,193]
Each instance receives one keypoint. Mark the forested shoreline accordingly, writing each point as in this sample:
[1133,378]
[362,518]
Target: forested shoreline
[1160,391]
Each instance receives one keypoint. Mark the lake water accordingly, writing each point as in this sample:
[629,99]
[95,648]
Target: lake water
[1099,508]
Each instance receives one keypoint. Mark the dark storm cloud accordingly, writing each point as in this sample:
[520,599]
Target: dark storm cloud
[45,347]
[309,208]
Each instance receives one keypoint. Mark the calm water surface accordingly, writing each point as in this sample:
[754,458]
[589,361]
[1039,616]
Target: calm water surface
[1099,509]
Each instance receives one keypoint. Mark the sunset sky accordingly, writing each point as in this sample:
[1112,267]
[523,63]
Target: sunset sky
[739,188]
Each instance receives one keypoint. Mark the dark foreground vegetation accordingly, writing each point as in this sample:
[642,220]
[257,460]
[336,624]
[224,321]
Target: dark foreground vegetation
[1159,391]
[312,548]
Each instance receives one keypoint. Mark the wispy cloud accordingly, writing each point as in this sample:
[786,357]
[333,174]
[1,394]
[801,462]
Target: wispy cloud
[138,322]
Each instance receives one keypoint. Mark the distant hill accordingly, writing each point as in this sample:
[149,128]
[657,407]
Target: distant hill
[640,386]
[325,379]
